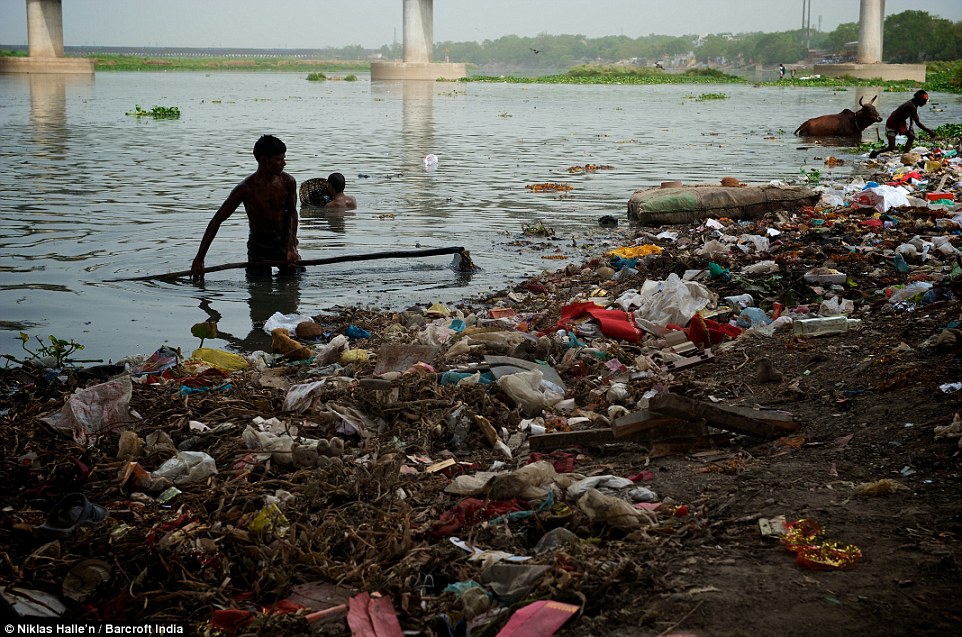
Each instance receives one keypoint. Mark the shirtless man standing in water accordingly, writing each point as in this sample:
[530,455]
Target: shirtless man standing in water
[269,196]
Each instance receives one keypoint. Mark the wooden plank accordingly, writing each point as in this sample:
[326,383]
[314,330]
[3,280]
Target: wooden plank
[684,363]
[687,445]
[750,422]
[669,431]
[562,439]
[665,430]
[643,420]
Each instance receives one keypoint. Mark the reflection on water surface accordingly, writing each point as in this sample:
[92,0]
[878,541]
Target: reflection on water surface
[90,194]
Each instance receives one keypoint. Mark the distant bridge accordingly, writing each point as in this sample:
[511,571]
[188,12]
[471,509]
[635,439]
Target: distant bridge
[46,53]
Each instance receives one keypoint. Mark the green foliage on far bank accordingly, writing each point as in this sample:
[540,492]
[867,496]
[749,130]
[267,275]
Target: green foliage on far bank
[215,63]
[941,76]
[618,74]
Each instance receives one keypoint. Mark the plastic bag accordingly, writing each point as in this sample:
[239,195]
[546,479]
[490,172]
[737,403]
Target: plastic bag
[88,411]
[187,466]
[761,267]
[757,242]
[882,198]
[226,361]
[673,300]
[607,484]
[300,398]
[835,306]
[526,390]
[910,291]
[610,510]
[944,245]
[435,334]
[331,353]
[280,446]
[287,321]
[712,250]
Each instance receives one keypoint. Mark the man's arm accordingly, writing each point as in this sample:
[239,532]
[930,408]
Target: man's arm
[290,206]
[226,210]
[914,116]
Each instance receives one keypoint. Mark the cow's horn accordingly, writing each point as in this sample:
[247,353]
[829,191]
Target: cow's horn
[860,101]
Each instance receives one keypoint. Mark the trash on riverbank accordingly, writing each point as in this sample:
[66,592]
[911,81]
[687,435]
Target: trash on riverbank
[521,424]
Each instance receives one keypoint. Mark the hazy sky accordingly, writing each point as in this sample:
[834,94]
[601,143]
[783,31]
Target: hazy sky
[372,23]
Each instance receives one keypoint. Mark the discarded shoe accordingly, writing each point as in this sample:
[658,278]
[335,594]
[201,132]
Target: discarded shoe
[72,511]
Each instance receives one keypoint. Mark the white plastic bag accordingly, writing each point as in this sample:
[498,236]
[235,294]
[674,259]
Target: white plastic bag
[608,484]
[526,389]
[90,410]
[300,398]
[673,300]
[187,466]
[287,321]
[331,353]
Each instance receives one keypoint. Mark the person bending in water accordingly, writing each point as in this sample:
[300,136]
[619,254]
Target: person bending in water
[340,200]
[900,123]
[269,196]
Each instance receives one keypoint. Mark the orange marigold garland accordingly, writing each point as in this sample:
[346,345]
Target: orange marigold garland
[804,539]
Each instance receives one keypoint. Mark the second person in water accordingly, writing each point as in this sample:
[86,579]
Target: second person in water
[340,200]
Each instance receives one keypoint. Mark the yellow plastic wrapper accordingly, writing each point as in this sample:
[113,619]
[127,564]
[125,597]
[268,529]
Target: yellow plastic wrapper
[270,519]
[438,309]
[355,356]
[633,252]
[226,361]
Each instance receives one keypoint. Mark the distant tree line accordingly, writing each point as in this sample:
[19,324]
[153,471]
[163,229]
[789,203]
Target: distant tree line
[909,37]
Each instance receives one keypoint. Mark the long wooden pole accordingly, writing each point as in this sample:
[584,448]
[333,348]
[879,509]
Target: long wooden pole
[396,254]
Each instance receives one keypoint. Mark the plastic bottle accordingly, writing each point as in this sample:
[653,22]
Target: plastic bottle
[740,300]
[825,325]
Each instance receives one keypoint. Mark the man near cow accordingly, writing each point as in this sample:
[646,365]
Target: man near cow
[900,123]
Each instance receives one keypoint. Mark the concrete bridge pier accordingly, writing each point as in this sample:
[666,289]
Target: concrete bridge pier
[45,43]
[418,49]
[868,62]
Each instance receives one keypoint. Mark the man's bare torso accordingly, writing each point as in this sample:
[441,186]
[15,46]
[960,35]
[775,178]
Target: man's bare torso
[265,202]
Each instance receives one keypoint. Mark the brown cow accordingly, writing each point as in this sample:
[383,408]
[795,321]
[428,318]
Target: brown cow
[844,124]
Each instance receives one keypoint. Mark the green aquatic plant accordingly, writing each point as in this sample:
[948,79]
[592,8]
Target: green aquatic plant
[708,96]
[53,355]
[316,77]
[813,176]
[157,112]
[205,330]
[350,78]
[945,131]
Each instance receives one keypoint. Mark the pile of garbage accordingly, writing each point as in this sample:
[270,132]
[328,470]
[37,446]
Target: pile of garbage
[451,470]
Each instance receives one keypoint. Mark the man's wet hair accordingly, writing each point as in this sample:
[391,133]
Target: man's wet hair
[922,95]
[336,180]
[268,146]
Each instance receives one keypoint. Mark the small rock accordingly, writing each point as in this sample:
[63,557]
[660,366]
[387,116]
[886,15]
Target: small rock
[767,372]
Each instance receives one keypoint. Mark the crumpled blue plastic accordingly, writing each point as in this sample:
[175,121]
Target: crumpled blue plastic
[353,331]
